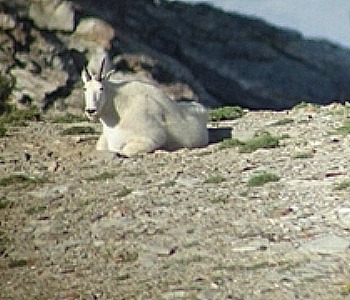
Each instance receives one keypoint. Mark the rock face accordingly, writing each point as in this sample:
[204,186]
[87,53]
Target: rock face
[191,51]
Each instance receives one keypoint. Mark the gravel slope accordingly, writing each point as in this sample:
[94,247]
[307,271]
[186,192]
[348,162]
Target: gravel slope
[80,224]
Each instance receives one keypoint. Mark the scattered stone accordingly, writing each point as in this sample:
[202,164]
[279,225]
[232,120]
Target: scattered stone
[344,216]
[328,244]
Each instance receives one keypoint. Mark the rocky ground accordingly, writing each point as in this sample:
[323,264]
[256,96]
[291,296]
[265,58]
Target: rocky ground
[192,224]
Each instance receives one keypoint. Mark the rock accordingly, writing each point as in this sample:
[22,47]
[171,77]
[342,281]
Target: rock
[328,244]
[92,33]
[344,216]
[37,87]
[7,22]
[53,15]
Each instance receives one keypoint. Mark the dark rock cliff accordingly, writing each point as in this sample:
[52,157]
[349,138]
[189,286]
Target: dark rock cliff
[192,51]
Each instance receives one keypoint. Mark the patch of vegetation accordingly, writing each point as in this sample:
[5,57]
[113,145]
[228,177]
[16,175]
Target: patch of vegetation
[344,129]
[35,210]
[230,143]
[68,118]
[166,184]
[215,179]
[262,178]
[19,117]
[342,186]
[226,113]
[3,130]
[4,242]
[346,289]
[17,263]
[124,192]
[102,176]
[77,130]
[260,140]
[304,104]
[283,122]
[219,199]
[4,203]
[303,155]
[21,179]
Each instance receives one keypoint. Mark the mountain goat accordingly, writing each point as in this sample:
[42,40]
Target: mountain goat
[138,117]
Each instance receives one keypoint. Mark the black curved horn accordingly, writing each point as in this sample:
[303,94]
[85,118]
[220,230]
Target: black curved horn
[88,75]
[99,77]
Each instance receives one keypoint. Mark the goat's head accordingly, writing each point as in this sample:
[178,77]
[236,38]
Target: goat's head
[95,97]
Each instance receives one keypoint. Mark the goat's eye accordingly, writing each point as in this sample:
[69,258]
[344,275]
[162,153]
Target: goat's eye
[101,88]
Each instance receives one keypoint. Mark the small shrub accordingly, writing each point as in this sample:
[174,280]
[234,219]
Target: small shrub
[261,179]
[226,113]
[76,130]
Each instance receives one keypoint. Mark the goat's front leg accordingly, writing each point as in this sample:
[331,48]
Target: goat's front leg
[102,144]
[139,145]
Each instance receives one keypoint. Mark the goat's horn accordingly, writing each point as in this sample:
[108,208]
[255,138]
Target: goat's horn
[99,77]
[88,75]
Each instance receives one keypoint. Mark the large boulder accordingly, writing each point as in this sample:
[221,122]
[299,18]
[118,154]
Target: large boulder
[53,14]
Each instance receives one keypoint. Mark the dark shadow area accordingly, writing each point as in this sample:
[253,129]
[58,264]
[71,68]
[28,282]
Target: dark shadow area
[219,134]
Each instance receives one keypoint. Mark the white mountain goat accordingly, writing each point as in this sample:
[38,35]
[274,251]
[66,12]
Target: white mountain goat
[138,117]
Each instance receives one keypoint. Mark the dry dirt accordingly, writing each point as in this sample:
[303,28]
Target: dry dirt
[81,224]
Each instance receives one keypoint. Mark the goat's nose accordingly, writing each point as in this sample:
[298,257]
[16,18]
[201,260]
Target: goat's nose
[90,111]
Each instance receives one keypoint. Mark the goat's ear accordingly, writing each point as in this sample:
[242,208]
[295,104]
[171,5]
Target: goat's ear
[85,75]
[109,74]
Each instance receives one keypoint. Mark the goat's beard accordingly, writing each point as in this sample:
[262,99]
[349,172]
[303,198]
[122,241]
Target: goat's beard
[92,118]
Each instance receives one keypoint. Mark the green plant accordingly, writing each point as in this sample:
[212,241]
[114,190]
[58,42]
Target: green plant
[3,130]
[68,118]
[344,129]
[123,192]
[346,289]
[262,178]
[303,155]
[20,179]
[230,143]
[76,130]
[14,116]
[215,179]
[35,210]
[4,203]
[102,176]
[282,122]
[261,139]
[226,113]
[343,185]
[17,263]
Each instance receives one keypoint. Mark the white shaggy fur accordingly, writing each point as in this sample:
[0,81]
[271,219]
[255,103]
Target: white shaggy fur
[137,117]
